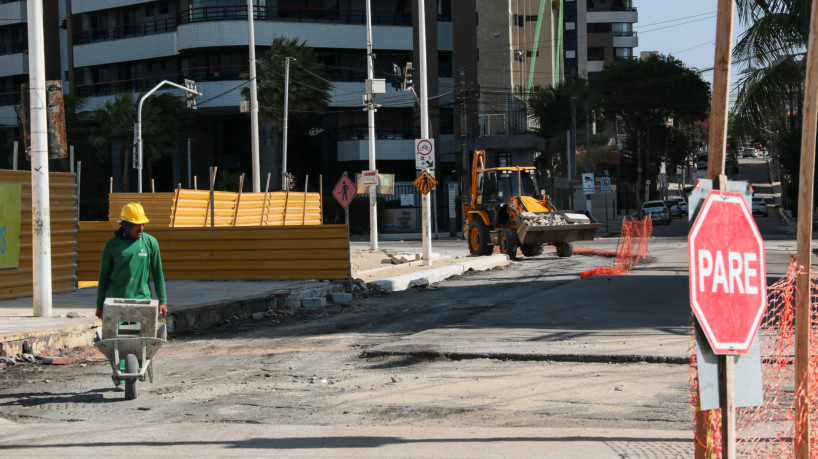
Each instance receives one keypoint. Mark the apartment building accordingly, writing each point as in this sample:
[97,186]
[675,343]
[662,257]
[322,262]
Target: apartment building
[597,32]
[104,47]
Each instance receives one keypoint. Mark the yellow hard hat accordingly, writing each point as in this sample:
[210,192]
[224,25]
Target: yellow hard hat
[134,213]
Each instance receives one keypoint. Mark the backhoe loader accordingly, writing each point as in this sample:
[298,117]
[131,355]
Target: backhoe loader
[505,208]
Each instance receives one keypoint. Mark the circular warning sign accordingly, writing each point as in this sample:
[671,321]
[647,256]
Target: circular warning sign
[424,154]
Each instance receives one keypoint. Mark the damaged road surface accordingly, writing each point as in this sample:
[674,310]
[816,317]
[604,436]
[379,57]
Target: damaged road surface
[387,376]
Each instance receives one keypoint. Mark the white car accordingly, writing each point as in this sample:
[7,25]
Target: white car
[657,210]
[750,152]
[682,204]
[759,207]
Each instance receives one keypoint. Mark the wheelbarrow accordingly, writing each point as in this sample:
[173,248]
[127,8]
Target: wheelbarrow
[130,328]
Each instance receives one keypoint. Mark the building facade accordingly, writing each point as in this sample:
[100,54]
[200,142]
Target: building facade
[597,32]
[104,47]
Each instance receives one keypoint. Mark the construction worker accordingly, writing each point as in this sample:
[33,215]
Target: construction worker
[128,260]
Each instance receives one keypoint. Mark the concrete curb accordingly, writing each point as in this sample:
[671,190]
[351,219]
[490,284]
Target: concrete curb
[193,317]
[432,275]
[55,338]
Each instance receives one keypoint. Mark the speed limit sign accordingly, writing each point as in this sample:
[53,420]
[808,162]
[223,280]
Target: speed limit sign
[424,154]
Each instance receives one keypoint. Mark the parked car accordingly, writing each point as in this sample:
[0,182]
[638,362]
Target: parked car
[682,204]
[759,207]
[657,210]
[749,152]
[675,209]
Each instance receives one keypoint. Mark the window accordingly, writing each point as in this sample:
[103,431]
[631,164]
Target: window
[599,27]
[570,26]
[622,28]
[444,63]
[531,18]
[503,159]
[623,53]
[596,53]
[517,20]
[570,54]
[528,53]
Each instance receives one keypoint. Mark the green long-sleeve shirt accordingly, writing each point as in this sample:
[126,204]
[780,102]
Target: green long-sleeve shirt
[125,269]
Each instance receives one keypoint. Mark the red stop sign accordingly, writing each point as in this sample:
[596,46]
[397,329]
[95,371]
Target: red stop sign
[728,280]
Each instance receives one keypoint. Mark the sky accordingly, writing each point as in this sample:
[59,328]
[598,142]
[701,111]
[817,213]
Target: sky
[684,29]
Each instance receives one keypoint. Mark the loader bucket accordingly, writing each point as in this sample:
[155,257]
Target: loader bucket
[555,227]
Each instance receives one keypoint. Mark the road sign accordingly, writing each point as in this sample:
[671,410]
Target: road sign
[369,178]
[605,184]
[588,183]
[344,191]
[728,289]
[425,182]
[647,182]
[424,154]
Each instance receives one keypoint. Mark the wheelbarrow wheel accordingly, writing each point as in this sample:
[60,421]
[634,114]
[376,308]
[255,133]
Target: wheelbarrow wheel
[131,366]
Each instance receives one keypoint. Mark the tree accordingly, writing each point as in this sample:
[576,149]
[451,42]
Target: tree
[163,116]
[309,90]
[647,92]
[772,49]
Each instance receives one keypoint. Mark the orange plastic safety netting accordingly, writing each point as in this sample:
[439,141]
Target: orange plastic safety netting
[770,430]
[630,250]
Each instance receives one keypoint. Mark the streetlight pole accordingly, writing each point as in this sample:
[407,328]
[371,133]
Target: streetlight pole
[139,123]
[284,176]
[254,154]
[40,210]
[424,130]
[370,111]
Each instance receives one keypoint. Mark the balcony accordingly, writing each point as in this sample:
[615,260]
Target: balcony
[291,14]
[10,98]
[13,47]
[109,88]
[137,29]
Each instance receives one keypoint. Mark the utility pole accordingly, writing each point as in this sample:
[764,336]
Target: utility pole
[40,210]
[370,110]
[284,175]
[573,151]
[638,167]
[254,153]
[424,130]
[587,151]
[465,173]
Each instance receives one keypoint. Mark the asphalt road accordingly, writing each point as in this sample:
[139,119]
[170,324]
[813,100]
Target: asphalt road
[304,385]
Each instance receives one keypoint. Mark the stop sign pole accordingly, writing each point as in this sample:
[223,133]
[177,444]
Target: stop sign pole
[715,171]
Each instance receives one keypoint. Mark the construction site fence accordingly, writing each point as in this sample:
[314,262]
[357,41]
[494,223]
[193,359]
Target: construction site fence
[319,252]
[770,430]
[192,208]
[631,249]
[18,282]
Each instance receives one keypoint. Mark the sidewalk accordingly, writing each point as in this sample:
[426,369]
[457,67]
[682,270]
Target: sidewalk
[195,305]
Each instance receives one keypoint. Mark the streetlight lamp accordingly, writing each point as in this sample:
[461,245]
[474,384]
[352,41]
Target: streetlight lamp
[139,123]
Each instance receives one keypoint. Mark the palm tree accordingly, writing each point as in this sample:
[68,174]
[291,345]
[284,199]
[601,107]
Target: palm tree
[309,90]
[772,49]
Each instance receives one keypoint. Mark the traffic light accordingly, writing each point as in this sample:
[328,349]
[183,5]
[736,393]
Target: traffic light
[396,77]
[408,75]
[190,97]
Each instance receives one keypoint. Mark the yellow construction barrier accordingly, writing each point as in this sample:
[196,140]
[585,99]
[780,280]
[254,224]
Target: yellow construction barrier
[18,282]
[191,208]
[224,253]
